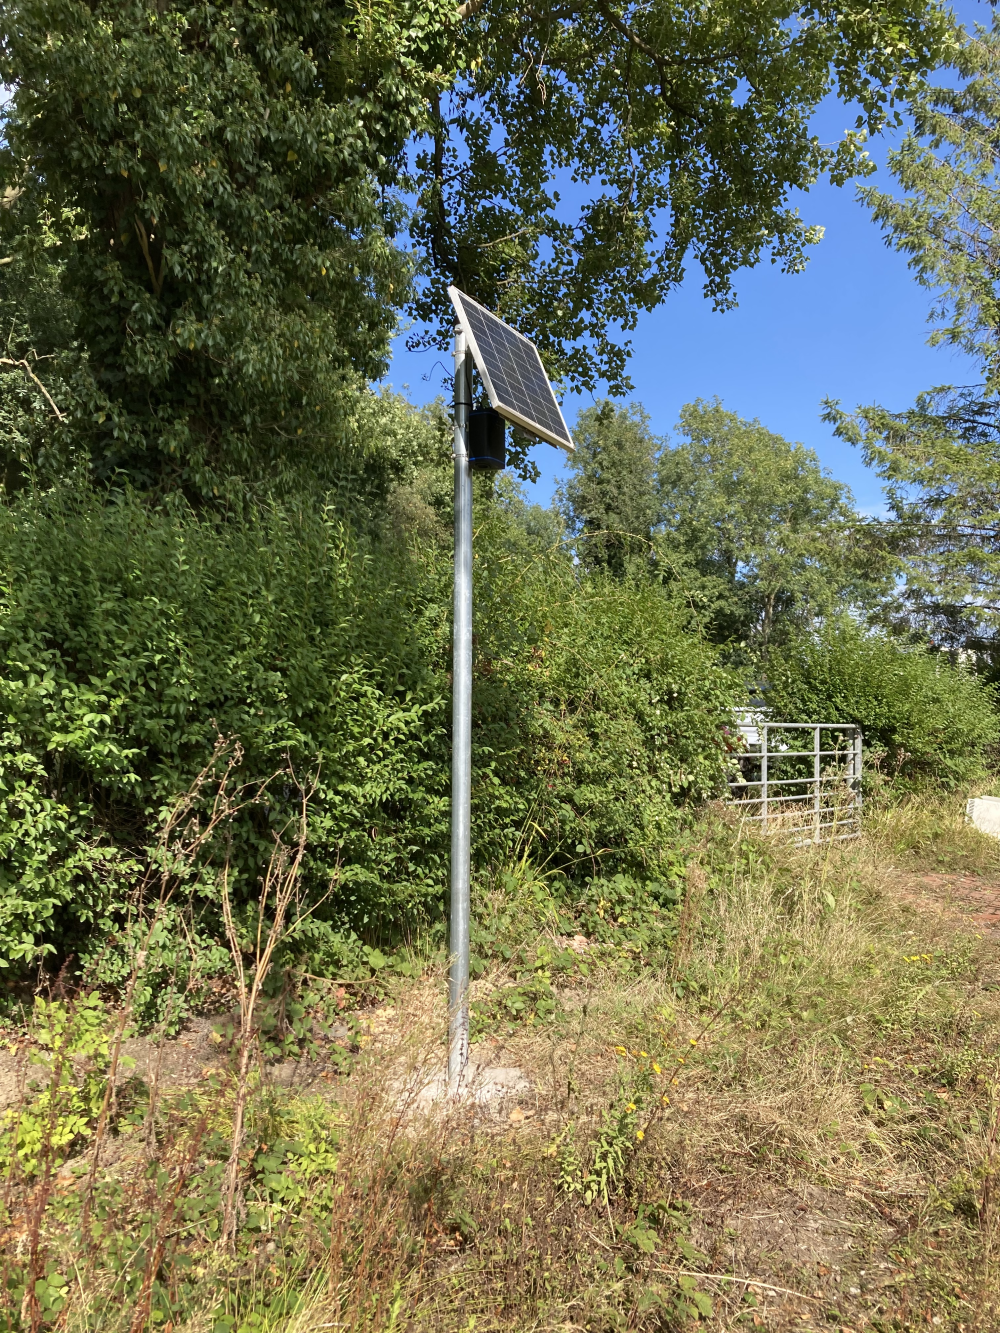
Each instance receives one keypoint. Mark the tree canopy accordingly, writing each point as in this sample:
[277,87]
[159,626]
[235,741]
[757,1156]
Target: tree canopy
[208,180]
[219,195]
[588,151]
[610,502]
[774,541]
[763,541]
[940,458]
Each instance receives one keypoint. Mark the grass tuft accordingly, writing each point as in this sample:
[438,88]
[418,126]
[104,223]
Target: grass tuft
[772,1104]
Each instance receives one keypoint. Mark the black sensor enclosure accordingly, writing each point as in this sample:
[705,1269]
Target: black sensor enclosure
[487,440]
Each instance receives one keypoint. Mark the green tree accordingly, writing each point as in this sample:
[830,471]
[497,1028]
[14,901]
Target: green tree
[609,502]
[589,150]
[220,191]
[941,458]
[764,537]
[208,181]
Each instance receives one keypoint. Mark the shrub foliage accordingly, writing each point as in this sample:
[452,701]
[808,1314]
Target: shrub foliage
[132,636]
[923,718]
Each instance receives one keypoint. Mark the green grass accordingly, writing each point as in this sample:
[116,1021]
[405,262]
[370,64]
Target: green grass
[930,832]
[774,1105]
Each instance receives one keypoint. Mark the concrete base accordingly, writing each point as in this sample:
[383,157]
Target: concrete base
[482,1085]
[984,812]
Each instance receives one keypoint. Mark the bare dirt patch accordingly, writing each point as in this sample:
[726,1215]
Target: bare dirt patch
[965,900]
[800,1251]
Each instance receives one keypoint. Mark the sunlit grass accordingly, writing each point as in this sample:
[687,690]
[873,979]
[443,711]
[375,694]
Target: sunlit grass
[811,1048]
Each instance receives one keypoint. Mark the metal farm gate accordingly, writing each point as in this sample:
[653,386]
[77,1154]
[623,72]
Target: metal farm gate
[812,795]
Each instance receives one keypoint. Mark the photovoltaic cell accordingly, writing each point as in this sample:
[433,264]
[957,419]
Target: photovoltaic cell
[512,372]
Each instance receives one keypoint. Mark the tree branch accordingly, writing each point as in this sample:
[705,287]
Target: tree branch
[470,8]
[157,281]
[630,35]
[661,61]
[6,361]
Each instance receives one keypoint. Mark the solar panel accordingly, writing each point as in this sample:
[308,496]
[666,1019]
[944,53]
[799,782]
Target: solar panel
[512,372]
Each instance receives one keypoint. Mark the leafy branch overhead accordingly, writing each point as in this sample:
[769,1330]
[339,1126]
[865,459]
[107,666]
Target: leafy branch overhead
[233,205]
[212,187]
[587,153]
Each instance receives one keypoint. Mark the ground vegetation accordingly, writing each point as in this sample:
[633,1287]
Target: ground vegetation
[769,1103]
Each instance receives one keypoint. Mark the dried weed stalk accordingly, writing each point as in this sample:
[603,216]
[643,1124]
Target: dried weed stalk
[279,891]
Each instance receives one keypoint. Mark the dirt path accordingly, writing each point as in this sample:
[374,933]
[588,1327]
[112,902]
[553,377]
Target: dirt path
[962,899]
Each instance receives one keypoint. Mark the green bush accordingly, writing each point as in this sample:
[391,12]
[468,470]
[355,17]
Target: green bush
[923,719]
[603,692]
[133,635]
[66,1081]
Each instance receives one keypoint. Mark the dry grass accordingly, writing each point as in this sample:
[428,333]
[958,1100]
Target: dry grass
[793,1125]
[929,832]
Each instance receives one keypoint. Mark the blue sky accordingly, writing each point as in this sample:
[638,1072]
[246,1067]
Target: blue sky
[853,326]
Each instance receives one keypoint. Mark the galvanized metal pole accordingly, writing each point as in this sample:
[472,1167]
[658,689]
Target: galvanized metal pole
[763,777]
[461,725]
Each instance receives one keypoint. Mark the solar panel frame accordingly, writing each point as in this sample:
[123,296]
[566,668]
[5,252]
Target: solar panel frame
[524,360]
